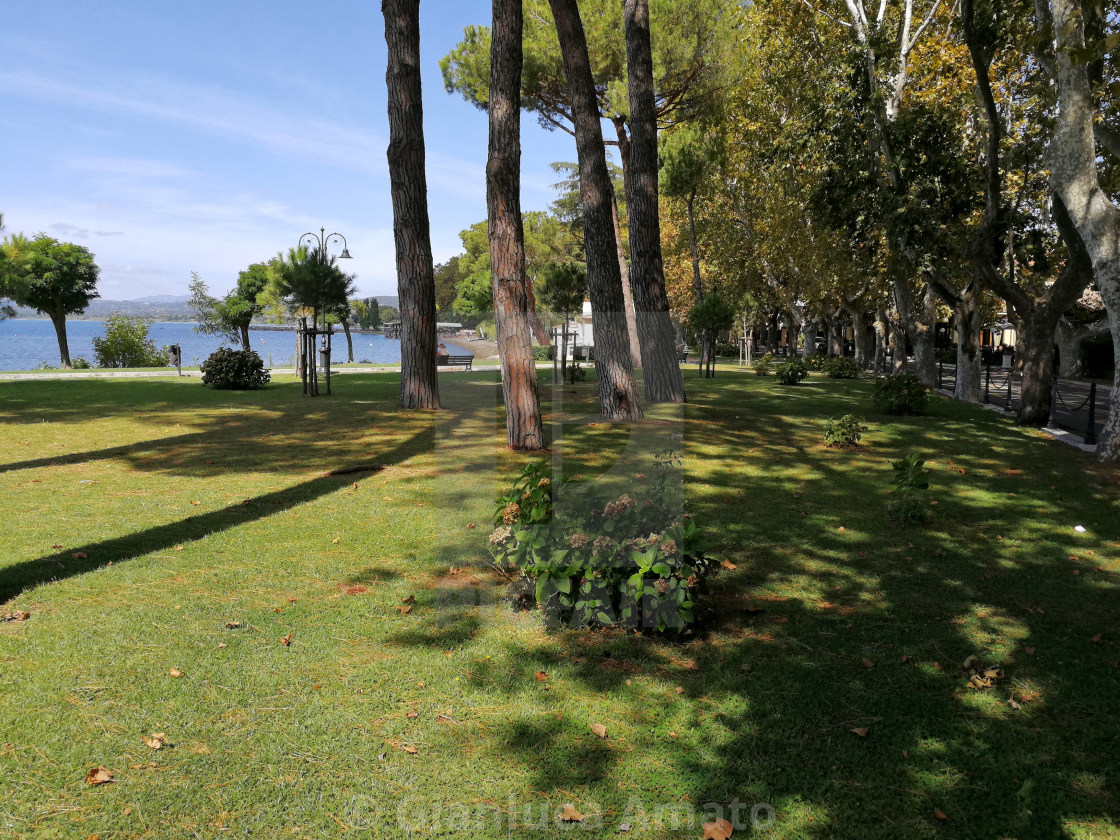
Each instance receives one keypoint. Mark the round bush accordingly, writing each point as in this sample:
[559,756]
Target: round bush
[764,365]
[792,372]
[814,362]
[902,393]
[544,352]
[234,370]
[840,367]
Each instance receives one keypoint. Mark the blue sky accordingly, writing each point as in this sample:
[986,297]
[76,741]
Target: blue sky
[204,136]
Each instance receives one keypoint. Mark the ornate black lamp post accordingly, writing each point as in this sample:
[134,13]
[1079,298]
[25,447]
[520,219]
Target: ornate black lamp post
[307,337]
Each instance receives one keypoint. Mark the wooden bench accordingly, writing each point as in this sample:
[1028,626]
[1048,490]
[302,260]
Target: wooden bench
[455,361]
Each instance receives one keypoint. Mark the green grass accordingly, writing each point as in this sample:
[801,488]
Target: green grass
[195,508]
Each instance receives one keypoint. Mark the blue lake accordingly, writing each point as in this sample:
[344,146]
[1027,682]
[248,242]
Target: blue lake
[26,343]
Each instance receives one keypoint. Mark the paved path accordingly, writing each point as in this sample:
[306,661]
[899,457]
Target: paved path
[1071,403]
[148,374]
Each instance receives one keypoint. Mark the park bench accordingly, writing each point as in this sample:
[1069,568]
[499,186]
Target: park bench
[455,361]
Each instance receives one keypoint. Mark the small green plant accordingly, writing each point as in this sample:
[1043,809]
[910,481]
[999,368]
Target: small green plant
[543,352]
[792,372]
[126,344]
[909,480]
[901,393]
[840,367]
[234,370]
[764,365]
[576,373]
[814,362]
[847,431]
[80,363]
[597,559]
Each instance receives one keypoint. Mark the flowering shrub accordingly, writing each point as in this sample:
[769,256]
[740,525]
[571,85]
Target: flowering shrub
[600,561]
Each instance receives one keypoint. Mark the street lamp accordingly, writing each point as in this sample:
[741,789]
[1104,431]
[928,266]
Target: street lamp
[322,238]
[310,380]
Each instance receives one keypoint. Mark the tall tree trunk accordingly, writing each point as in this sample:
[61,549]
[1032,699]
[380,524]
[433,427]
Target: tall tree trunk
[507,237]
[1074,177]
[897,341]
[661,373]
[694,250]
[349,340]
[1036,353]
[882,327]
[968,384]
[408,186]
[245,345]
[618,394]
[808,338]
[627,289]
[1069,338]
[59,321]
[920,323]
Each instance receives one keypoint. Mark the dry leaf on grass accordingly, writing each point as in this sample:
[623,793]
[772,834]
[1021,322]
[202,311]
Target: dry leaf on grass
[79,555]
[408,600]
[335,540]
[292,599]
[221,645]
[1097,639]
[470,527]
[98,776]
[411,750]
[19,615]
[57,545]
[867,663]
[718,830]
[175,673]
[727,564]
[541,676]
[412,713]
[155,741]
[599,730]
[445,719]
[569,813]
[861,731]
[941,815]
[177,548]
[232,625]
[286,641]
[404,609]
[195,503]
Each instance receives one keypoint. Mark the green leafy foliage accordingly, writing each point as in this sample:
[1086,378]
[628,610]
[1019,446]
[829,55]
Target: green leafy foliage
[764,365]
[908,482]
[543,352]
[234,370]
[603,560]
[840,367]
[814,362]
[791,372]
[126,344]
[80,363]
[900,393]
[845,432]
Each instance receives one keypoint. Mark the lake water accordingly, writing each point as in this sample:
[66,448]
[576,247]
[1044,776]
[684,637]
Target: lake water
[26,343]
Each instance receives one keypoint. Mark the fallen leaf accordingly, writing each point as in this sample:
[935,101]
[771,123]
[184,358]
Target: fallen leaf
[408,600]
[568,813]
[861,731]
[719,830]
[98,776]
[221,645]
[19,615]
[411,750]
[781,619]
[155,740]
[599,730]
[941,815]
[679,690]
[727,564]
[541,676]
[292,600]
[867,663]
[176,673]
[232,625]
[193,502]
[57,545]
[1028,649]
[79,555]
[177,548]
[336,539]
[673,734]
[412,713]
[470,527]
[404,610]
[1097,639]
[445,719]
[286,641]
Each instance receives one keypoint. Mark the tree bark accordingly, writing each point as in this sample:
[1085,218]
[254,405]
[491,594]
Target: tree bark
[1074,177]
[408,187]
[881,329]
[618,395]
[627,289]
[506,234]
[349,340]
[245,345]
[920,323]
[897,341]
[860,330]
[966,309]
[661,372]
[808,338]
[59,321]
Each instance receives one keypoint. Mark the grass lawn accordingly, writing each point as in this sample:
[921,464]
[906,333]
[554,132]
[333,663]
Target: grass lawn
[141,517]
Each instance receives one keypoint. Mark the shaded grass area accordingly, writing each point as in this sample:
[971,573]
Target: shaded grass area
[194,509]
